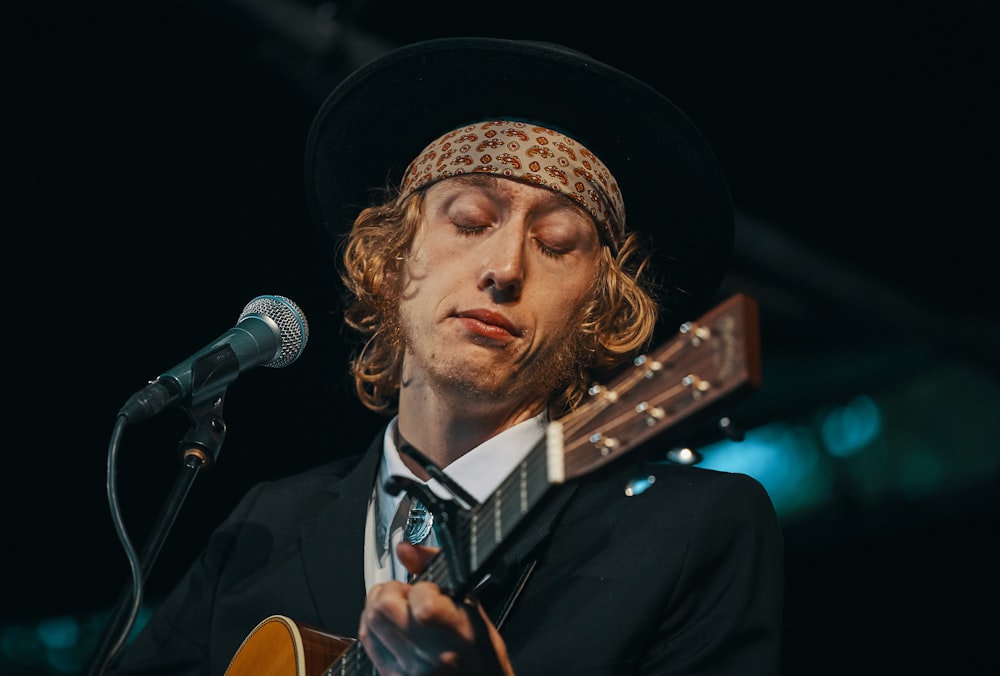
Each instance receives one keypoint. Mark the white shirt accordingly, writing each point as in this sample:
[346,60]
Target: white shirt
[480,472]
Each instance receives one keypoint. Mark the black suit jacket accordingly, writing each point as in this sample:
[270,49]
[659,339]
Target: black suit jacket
[684,578]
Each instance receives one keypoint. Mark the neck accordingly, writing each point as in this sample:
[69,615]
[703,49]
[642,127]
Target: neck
[444,430]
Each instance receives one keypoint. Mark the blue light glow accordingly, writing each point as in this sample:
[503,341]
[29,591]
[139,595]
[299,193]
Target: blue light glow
[846,430]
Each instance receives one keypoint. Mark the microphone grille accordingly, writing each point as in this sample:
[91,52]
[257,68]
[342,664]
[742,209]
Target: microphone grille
[291,322]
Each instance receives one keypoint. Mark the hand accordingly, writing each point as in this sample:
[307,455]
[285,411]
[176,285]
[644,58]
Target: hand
[417,630]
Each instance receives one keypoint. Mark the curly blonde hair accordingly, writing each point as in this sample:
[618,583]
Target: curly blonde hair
[617,323]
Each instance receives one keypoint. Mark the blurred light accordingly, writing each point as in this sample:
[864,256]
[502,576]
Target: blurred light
[58,632]
[683,456]
[60,644]
[848,429]
[19,644]
[920,474]
[639,485]
[784,458]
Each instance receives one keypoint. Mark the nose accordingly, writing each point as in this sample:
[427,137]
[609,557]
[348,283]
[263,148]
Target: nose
[503,266]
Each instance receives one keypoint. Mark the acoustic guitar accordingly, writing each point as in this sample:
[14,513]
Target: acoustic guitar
[707,364]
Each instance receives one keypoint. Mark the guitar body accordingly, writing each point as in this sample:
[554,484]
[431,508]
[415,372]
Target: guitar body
[280,646]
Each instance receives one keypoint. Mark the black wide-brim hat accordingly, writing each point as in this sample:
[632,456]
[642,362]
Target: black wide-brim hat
[378,119]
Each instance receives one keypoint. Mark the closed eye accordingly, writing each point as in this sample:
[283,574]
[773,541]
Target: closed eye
[548,250]
[464,229]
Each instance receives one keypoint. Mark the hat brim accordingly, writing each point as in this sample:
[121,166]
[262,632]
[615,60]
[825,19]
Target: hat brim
[379,118]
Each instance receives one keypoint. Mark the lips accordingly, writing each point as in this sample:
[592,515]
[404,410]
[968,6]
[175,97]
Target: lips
[488,324]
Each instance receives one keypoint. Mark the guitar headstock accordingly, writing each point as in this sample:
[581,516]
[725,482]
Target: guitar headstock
[710,362]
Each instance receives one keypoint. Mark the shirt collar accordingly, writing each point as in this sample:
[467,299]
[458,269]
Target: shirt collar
[481,470]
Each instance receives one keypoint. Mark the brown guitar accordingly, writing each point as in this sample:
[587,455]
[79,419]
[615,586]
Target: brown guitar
[708,363]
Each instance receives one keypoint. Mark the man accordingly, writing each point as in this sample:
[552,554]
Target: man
[491,286]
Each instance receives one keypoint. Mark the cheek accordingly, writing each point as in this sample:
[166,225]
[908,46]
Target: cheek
[430,272]
[439,263]
[561,305]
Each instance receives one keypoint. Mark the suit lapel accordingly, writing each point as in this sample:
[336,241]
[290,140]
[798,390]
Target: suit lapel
[337,581]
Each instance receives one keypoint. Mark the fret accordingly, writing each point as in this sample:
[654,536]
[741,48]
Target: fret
[554,454]
[474,540]
[498,518]
[522,484]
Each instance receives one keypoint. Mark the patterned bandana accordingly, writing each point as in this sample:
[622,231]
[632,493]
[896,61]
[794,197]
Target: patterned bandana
[528,153]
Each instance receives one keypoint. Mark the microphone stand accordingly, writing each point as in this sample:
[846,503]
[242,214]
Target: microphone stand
[199,450]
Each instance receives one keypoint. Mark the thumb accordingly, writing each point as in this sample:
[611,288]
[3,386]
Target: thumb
[415,557]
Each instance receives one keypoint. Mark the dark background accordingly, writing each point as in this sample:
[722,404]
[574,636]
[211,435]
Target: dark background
[153,186]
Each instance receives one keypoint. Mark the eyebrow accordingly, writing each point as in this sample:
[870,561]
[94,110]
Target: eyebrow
[492,182]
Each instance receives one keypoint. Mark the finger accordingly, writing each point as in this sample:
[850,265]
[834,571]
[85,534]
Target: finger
[378,653]
[394,640]
[381,628]
[431,607]
[415,557]
[389,600]
[385,613]
[399,658]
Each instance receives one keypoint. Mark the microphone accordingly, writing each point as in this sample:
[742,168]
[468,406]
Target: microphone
[271,331]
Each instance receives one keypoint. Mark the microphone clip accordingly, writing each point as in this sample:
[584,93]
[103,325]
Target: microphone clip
[203,439]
